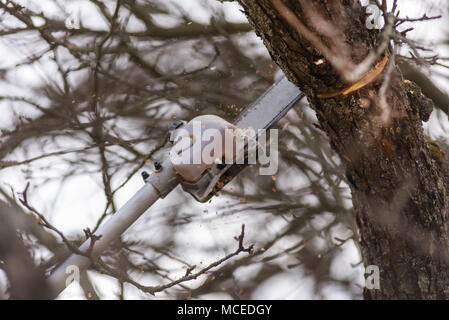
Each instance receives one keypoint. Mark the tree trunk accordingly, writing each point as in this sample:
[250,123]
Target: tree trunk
[397,180]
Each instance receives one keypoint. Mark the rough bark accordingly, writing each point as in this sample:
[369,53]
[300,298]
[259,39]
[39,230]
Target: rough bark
[397,182]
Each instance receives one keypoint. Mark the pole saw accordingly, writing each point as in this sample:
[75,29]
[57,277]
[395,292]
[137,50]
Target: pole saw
[201,180]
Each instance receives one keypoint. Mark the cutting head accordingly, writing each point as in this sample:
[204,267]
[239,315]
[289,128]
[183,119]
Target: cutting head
[204,179]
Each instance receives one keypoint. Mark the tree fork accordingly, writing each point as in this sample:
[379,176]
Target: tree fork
[398,188]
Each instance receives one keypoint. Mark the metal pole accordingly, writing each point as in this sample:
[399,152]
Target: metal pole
[158,186]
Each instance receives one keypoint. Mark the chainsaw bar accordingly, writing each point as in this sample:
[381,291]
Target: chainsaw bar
[271,106]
